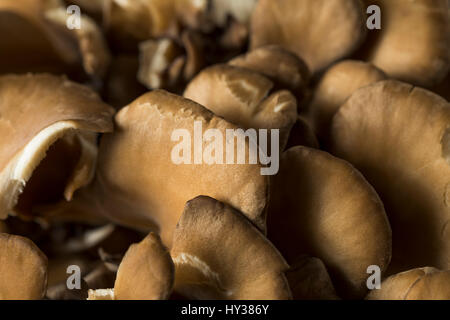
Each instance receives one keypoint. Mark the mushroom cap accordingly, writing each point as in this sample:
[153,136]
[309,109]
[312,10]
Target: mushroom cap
[219,254]
[37,110]
[155,58]
[40,26]
[323,207]
[398,136]
[146,272]
[309,280]
[413,44]
[281,66]
[242,97]
[318,31]
[140,186]
[416,284]
[334,87]
[23,269]
[25,30]
[130,22]
[92,45]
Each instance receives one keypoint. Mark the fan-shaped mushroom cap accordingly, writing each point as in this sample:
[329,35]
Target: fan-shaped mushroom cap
[146,272]
[142,19]
[138,183]
[23,269]
[242,97]
[283,67]
[398,136]
[335,86]
[413,43]
[219,254]
[416,284]
[25,20]
[318,31]
[89,38]
[39,26]
[47,134]
[323,207]
[309,280]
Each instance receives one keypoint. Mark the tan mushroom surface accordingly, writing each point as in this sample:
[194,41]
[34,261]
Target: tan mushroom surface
[219,254]
[48,137]
[417,284]
[23,269]
[318,31]
[146,272]
[39,26]
[283,67]
[29,32]
[334,87]
[142,183]
[413,43]
[323,207]
[397,135]
[309,280]
[244,98]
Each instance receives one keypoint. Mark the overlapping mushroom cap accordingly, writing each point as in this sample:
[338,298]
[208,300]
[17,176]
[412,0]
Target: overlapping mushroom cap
[146,272]
[309,280]
[398,135]
[318,31]
[39,26]
[23,269]
[242,97]
[283,67]
[48,137]
[416,284]
[141,183]
[219,254]
[323,207]
[334,87]
[413,43]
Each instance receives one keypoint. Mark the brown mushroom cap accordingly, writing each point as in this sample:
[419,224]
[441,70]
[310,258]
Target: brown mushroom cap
[323,207]
[25,30]
[39,26]
[140,186]
[283,67]
[218,254]
[413,44]
[47,134]
[334,87]
[416,284]
[89,38]
[130,22]
[146,272]
[242,97]
[309,280]
[398,136]
[318,31]
[23,269]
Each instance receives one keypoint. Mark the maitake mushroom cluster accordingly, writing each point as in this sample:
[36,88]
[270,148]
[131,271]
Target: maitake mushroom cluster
[92,205]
